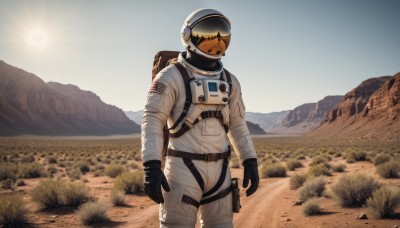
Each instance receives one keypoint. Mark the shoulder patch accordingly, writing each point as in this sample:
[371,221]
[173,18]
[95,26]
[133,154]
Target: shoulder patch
[157,87]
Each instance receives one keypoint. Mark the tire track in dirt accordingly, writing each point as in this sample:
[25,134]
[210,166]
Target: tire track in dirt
[259,210]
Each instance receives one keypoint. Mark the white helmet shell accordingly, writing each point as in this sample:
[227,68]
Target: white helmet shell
[195,17]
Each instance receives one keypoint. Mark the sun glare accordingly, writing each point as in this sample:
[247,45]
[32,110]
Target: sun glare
[38,38]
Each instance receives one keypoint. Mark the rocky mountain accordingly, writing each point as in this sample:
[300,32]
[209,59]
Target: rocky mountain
[307,116]
[355,100]
[28,105]
[254,128]
[135,116]
[266,120]
[371,110]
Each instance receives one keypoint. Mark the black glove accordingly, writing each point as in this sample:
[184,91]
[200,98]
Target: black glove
[250,173]
[153,179]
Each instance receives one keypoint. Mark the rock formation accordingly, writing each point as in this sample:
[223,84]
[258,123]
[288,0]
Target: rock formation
[308,116]
[369,111]
[28,105]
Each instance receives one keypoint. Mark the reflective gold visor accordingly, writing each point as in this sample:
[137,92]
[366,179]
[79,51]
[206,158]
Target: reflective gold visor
[211,35]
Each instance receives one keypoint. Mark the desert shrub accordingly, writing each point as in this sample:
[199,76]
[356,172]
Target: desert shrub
[62,164]
[381,158]
[75,194]
[7,172]
[74,174]
[32,170]
[98,173]
[7,184]
[311,207]
[83,167]
[319,159]
[293,164]
[353,189]
[340,168]
[92,212]
[52,169]
[13,212]
[130,182]
[52,160]
[273,170]
[117,197]
[28,158]
[134,165]
[48,193]
[390,169]
[320,169]
[337,154]
[114,170]
[297,180]
[384,201]
[300,157]
[20,182]
[312,187]
[356,156]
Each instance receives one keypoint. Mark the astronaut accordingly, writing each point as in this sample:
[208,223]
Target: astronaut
[196,175]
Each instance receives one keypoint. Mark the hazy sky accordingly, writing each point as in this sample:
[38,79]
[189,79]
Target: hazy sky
[285,53]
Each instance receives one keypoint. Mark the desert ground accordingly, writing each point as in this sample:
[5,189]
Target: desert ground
[98,163]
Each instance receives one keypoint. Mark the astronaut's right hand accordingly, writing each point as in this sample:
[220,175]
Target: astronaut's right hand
[153,180]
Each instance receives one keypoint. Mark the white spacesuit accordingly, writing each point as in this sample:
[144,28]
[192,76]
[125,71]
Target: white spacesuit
[196,171]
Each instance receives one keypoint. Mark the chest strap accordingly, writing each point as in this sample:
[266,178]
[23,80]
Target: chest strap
[204,115]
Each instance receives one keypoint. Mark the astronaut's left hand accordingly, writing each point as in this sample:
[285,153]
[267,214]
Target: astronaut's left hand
[250,173]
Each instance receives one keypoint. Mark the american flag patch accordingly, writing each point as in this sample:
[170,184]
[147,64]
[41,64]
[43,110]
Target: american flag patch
[157,87]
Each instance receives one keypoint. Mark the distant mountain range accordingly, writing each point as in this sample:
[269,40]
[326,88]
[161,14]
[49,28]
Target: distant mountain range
[266,121]
[30,106]
[306,117]
[254,129]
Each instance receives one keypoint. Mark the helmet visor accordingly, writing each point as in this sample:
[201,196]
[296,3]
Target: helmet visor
[211,35]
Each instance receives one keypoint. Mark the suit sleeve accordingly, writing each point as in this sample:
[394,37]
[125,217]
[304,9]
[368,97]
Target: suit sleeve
[239,134]
[160,101]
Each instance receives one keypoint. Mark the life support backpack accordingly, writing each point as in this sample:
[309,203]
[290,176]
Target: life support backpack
[161,60]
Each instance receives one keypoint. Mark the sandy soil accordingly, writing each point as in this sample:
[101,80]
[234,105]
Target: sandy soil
[271,206]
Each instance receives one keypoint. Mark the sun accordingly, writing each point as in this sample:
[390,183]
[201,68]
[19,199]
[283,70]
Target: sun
[38,38]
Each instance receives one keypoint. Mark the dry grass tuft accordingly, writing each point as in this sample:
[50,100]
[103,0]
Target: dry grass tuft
[384,201]
[312,187]
[92,213]
[13,212]
[353,189]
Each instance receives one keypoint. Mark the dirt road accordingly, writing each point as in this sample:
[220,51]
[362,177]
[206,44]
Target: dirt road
[259,209]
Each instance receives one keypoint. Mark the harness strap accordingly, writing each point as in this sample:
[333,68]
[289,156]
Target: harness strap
[195,172]
[204,115]
[222,194]
[202,157]
[188,101]
[189,200]
[184,128]
[229,81]
[218,196]
[220,180]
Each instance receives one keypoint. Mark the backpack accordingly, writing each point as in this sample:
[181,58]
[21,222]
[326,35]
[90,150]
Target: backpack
[161,60]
